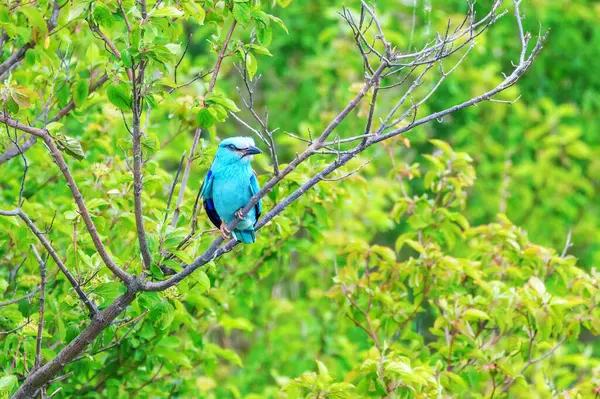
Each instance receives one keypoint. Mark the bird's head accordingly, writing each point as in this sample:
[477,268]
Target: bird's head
[237,150]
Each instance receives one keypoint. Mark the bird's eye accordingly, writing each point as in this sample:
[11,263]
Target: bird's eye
[231,147]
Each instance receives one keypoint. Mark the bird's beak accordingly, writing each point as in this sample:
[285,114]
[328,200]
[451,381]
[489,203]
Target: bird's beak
[252,150]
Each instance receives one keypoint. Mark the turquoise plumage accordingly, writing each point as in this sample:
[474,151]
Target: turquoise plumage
[228,187]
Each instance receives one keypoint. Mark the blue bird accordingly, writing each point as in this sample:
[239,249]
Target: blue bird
[228,187]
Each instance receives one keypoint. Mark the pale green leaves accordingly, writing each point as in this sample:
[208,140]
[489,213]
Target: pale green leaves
[78,9]
[249,62]
[7,383]
[195,11]
[319,384]
[166,11]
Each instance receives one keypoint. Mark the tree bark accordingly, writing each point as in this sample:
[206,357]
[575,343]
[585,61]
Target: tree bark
[102,320]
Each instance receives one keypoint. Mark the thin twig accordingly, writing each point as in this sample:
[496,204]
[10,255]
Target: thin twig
[40,332]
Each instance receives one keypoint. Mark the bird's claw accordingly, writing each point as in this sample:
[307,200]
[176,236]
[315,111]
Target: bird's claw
[225,233]
[239,215]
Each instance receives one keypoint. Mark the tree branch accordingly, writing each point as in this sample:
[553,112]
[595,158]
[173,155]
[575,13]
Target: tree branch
[62,165]
[44,241]
[220,57]
[38,345]
[137,165]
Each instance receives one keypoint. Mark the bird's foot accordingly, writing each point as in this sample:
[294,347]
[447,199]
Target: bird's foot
[225,233]
[239,215]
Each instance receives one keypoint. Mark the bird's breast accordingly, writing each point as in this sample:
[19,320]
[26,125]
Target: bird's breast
[230,194]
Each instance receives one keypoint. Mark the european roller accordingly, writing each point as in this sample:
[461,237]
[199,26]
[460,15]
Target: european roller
[228,187]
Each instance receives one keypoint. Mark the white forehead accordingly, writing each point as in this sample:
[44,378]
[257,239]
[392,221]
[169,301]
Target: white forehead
[239,142]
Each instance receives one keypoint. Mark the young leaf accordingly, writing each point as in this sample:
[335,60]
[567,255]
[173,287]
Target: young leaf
[225,102]
[241,13]
[119,96]
[7,382]
[279,22]
[251,65]
[167,11]
[204,118]
[265,35]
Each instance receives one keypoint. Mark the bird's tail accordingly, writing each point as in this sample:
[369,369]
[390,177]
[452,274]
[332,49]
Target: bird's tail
[245,236]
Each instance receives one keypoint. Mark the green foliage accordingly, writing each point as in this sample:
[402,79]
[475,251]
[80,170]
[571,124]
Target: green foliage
[409,279]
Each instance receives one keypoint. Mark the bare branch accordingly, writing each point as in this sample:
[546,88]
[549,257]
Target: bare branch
[186,175]
[105,39]
[138,161]
[173,188]
[355,171]
[16,328]
[220,57]
[568,244]
[19,299]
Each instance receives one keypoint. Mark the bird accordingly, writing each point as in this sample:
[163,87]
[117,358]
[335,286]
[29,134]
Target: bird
[228,186]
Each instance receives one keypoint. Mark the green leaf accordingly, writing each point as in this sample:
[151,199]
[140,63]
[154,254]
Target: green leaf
[265,35]
[126,58]
[537,285]
[322,368]
[279,22]
[228,355]
[261,18]
[241,13]
[204,118]
[119,95]
[225,102]
[12,106]
[442,145]
[70,215]
[203,281]
[258,49]
[251,65]
[54,127]
[35,17]
[167,316]
[415,245]
[149,98]
[102,14]
[196,12]
[69,145]
[398,367]
[107,291]
[475,314]
[80,92]
[7,383]
[77,10]
[167,11]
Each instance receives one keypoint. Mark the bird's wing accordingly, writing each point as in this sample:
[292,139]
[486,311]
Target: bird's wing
[209,205]
[255,188]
